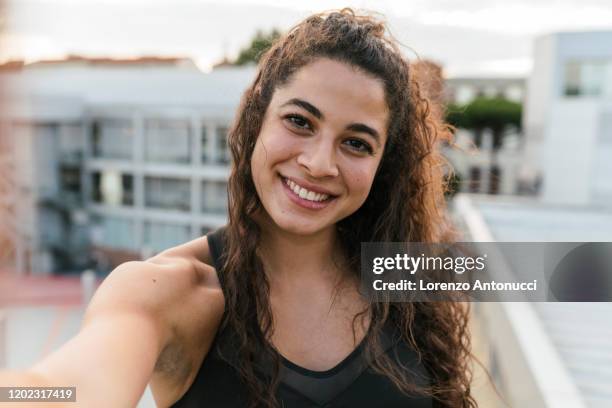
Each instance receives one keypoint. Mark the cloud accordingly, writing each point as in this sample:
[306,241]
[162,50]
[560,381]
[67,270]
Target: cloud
[192,29]
[520,19]
[458,33]
[37,46]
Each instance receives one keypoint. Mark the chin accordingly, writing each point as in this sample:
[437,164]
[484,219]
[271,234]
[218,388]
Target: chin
[298,227]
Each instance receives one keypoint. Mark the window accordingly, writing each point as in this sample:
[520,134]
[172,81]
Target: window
[112,139]
[71,141]
[474,186]
[114,232]
[204,138]
[127,185]
[167,141]
[214,197]
[110,187]
[168,193]
[222,148]
[494,179]
[70,183]
[45,147]
[588,78]
[70,179]
[159,236]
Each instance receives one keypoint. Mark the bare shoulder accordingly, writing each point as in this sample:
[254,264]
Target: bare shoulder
[163,283]
[193,310]
[187,268]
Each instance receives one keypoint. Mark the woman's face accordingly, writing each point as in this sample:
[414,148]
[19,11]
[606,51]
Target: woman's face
[320,144]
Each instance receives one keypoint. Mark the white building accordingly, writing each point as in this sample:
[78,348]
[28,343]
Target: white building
[119,159]
[568,118]
[554,354]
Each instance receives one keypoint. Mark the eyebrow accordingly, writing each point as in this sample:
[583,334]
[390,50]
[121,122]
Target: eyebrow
[306,106]
[355,127]
[360,127]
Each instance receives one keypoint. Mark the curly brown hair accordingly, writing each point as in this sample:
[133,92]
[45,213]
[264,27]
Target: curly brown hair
[406,203]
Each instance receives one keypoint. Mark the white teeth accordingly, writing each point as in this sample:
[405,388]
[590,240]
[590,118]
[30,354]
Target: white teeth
[306,194]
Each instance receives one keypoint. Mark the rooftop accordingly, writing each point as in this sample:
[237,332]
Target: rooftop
[580,333]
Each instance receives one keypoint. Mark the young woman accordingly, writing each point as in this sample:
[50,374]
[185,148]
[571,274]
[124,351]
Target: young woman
[333,145]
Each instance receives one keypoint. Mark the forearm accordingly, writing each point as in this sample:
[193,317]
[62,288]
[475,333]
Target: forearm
[22,379]
[113,373]
[116,373]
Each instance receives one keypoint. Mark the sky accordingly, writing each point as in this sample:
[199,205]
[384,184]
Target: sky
[468,37]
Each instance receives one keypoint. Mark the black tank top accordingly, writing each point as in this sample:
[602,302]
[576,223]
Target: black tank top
[351,383]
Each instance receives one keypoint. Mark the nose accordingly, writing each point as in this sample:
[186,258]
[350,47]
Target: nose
[319,159]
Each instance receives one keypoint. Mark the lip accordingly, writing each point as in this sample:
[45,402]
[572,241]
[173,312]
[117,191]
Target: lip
[296,199]
[309,186]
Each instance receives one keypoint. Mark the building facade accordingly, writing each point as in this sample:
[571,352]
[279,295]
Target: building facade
[568,118]
[117,160]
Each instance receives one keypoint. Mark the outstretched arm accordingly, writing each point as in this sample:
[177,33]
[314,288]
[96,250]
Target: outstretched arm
[126,326]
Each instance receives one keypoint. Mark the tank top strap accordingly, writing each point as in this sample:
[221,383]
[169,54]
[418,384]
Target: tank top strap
[217,247]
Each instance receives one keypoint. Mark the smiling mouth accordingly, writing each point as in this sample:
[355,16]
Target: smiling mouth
[307,195]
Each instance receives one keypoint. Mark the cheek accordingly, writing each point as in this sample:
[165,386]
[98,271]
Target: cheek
[274,146]
[360,180]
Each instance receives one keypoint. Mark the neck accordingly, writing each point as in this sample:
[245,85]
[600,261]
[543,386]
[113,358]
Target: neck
[290,257]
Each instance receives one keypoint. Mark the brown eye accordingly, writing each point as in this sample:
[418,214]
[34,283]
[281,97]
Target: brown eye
[359,146]
[298,121]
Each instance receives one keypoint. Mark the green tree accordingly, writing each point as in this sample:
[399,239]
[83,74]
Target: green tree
[259,44]
[496,114]
[482,112]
